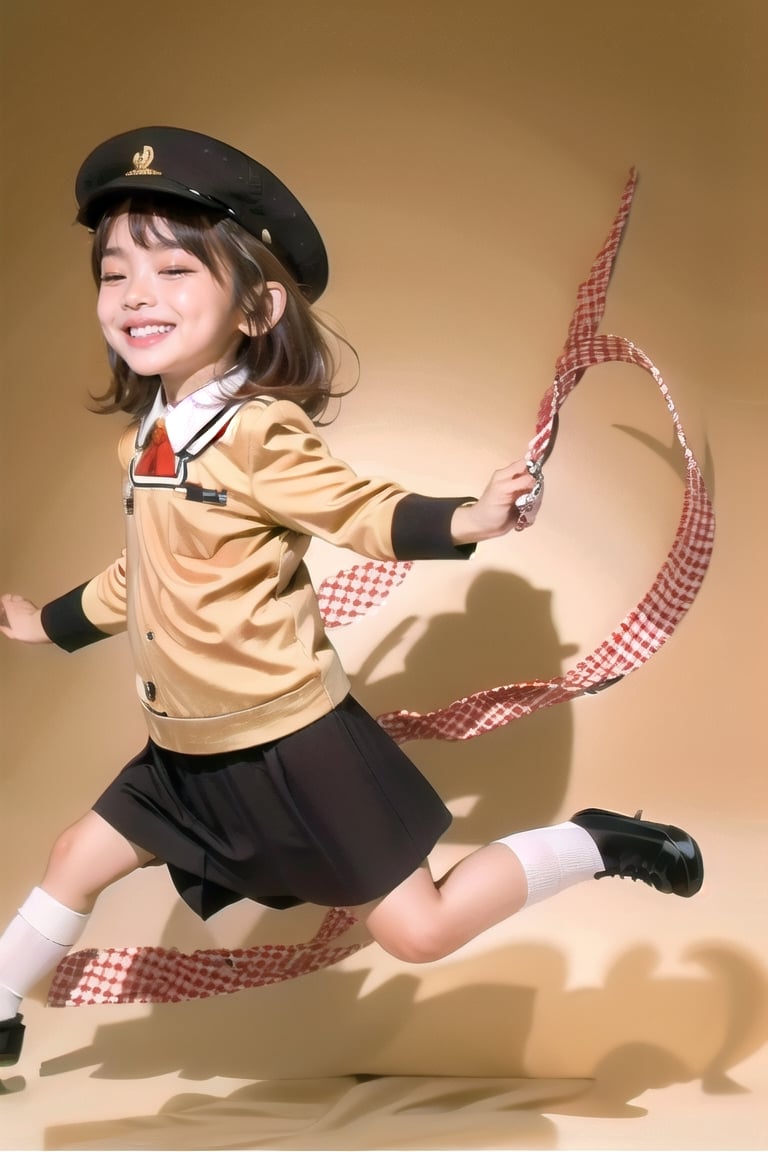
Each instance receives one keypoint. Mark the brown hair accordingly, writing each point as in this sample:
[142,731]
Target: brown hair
[296,358]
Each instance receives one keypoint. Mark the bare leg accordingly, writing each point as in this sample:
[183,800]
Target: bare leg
[86,859]
[421,920]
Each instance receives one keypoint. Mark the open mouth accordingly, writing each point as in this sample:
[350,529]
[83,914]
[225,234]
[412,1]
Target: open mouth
[139,333]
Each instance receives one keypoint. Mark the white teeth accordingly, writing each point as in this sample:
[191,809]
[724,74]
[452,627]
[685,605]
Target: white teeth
[151,330]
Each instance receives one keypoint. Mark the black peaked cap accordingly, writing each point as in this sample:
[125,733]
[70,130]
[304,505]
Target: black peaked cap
[202,170]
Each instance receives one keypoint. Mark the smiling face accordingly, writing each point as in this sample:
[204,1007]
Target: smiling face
[164,312]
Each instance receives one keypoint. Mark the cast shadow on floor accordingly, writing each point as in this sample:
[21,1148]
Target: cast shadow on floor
[640,1030]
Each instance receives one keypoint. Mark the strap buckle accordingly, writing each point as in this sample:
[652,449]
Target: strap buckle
[603,685]
[528,504]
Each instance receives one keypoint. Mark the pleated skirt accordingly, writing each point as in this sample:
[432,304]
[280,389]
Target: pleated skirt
[334,814]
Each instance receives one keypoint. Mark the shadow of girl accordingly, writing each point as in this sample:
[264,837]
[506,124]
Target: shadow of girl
[608,1045]
[518,774]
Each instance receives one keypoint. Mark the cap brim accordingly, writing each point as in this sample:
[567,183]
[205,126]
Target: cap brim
[309,265]
[94,207]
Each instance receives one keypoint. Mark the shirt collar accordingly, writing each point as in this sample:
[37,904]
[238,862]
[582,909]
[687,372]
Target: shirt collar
[185,421]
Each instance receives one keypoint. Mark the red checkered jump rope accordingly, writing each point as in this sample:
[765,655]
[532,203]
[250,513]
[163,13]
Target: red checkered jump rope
[162,975]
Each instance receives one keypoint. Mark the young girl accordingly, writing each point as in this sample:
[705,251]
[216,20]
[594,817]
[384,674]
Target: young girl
[262,778]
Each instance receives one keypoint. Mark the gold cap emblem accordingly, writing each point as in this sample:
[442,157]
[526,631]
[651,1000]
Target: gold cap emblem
[142,163]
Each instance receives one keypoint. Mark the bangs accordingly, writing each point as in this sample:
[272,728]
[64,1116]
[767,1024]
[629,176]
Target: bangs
[155,222]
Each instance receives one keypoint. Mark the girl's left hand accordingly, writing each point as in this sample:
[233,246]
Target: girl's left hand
[496,512]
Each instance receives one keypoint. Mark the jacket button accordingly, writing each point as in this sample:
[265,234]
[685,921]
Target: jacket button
[149,690]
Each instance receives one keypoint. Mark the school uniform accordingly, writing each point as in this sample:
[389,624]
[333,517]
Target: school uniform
[261,778]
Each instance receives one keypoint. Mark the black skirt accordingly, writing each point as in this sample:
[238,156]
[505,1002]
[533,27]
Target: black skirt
[334,814]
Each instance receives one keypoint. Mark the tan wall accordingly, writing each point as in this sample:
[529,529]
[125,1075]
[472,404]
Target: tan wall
[463,162]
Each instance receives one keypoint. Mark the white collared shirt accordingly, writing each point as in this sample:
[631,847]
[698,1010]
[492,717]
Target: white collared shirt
[197,419]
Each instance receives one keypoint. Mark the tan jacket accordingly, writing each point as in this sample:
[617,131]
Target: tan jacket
[227,638]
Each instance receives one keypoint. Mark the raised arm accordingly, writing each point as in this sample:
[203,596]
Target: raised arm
[496,512]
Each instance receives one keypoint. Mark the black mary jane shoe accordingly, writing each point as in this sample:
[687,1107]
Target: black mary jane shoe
[11,1040]
[661,855]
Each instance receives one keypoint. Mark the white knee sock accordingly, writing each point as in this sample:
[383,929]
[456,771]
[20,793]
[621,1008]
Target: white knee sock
[33,943]
[554,858]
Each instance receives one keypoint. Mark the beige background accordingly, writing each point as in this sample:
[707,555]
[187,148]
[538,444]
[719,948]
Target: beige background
[463,162]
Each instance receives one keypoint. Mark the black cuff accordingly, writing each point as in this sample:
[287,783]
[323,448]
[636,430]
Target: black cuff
[65,623]
[421,528]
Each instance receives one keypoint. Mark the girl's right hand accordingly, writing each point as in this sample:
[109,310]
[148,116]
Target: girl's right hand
[20,620]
